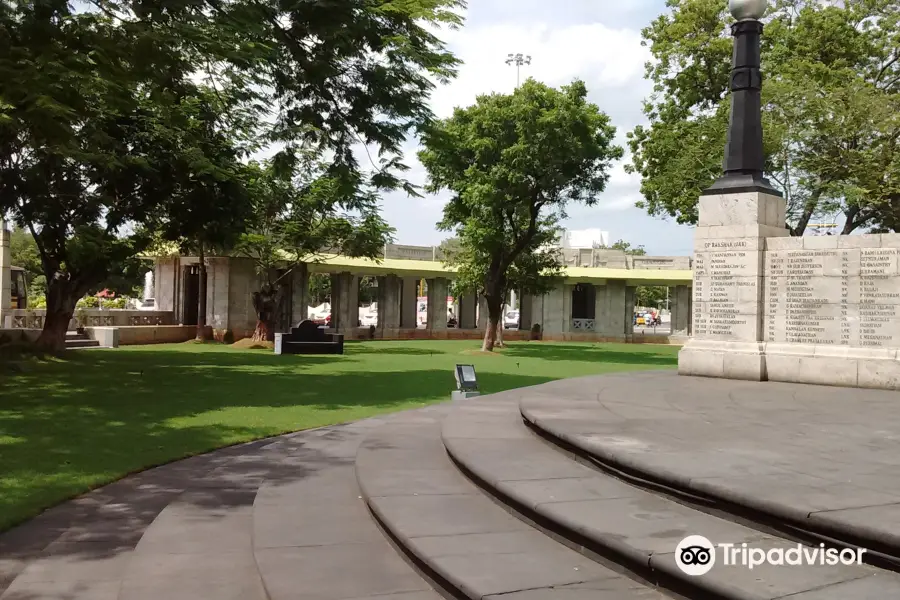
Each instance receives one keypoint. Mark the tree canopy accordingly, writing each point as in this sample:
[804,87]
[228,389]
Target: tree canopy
[512,163]
[298,218]
[831,108]
[128,115]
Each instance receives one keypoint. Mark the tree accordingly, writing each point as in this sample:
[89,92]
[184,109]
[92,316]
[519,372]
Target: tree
[831,99]
[208,202]
[319,288]
[299,214]
[627,248]
[90,102]
[512,163]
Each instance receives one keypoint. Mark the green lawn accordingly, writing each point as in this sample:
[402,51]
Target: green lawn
[67,426]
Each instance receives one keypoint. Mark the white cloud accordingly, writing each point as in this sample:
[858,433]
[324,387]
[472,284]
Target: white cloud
[585,39]
[604,58]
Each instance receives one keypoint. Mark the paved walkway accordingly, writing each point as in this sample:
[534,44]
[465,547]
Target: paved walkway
[825,456]
[276,519]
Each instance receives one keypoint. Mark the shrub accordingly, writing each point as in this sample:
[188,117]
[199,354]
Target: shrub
[88,302]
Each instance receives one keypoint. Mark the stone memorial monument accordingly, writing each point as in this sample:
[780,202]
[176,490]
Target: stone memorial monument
[768,306]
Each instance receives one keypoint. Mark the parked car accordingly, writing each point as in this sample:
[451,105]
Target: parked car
[511,320]
[369,319]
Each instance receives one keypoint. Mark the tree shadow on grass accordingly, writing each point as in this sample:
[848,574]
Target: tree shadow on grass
[408,350]
[73,426]
[637,354]
[68,427]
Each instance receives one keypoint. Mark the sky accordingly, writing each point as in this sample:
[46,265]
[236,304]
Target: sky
[598,41]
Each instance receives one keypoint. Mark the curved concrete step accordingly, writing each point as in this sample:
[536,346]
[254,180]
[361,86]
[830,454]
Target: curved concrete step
[467,544]
[679,433]
[488,440]
[273,519]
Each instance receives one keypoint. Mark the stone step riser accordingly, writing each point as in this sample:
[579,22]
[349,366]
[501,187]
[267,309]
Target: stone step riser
[608,519]
[81,343]
[461,539]
[754,511]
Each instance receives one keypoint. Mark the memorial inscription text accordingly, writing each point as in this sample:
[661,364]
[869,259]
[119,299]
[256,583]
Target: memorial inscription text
[848,297]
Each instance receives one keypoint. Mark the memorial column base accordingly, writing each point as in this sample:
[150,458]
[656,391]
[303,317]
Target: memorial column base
[728,289]
[726,360]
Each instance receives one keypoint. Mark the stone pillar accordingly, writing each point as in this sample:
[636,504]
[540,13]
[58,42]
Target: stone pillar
[680,310]
[5,273]
[389,296]
[628,316]
[482,313]
[345,303]
[526,307]
[554,316]
[409,295]
[437,303]
[614,309]
[729,248]
[468,311]
[300,294]
[219,289]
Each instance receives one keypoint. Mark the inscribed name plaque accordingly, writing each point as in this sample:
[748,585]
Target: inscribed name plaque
[726,289]
[841,296]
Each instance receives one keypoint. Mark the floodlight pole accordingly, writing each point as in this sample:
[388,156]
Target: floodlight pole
[518,60]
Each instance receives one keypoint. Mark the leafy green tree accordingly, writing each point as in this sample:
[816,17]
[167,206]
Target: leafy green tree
[513,162]
[208,202]
[831,99]
[91,101]
[299,218]
[319,288]
[627,248]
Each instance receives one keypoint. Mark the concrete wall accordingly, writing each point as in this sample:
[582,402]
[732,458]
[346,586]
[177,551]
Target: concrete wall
[132,336]
[166,285]
[218,276]
[92,317]
[242,282]
[550,310]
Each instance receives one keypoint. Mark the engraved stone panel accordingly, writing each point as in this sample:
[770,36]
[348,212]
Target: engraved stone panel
[846,295]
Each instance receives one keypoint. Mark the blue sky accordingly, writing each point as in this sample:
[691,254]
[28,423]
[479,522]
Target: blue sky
[597,41]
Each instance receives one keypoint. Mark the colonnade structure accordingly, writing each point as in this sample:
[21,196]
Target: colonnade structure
[595,300]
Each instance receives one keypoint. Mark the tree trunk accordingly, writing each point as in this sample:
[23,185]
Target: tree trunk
[261,333]
[498,341]
[265,303]
[202,333]
[494,305]
[61,300]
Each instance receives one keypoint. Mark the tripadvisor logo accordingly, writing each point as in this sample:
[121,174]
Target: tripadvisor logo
[696,555]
